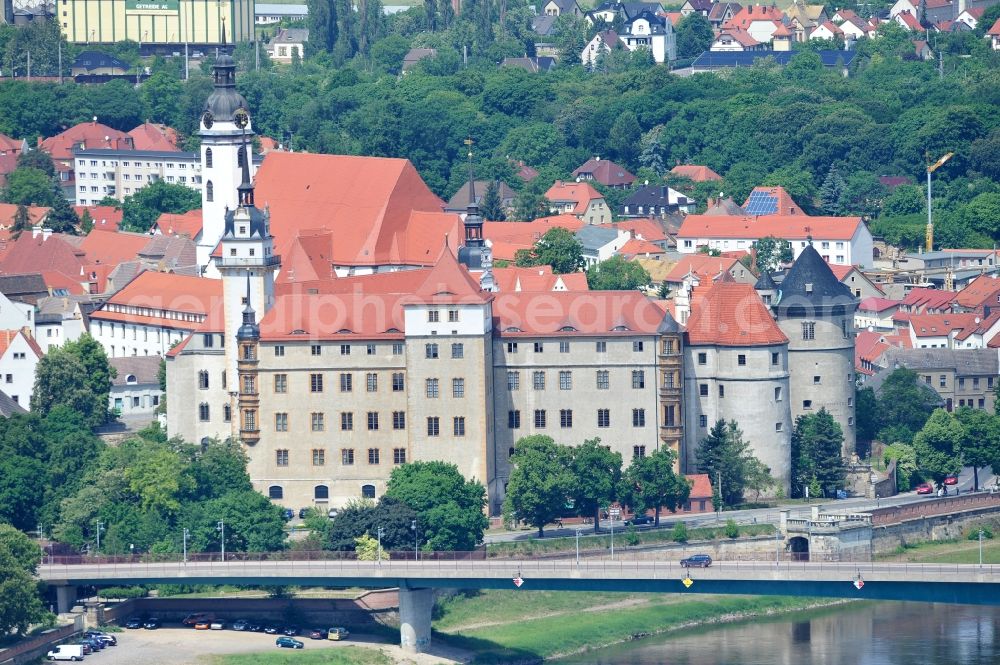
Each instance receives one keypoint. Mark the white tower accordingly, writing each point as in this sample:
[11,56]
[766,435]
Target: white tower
[247,264]
[222,156]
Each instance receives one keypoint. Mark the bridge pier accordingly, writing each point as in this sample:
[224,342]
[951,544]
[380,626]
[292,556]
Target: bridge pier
[415,607]
[65,598]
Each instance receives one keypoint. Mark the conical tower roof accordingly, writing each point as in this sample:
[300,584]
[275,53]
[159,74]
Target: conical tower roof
[765,282]
[810,285]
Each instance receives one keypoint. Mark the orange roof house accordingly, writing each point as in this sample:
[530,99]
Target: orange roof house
[732,314]
[106,218]
[8,211]
[151,136]
[707,268]
[538,278]
[695,173]
[90,135]
[112,247]
[187,224]
[580,199]
[605,172]
[983,291]
[163,300]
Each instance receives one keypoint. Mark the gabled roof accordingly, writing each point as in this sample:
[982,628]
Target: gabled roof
[635,248]
[875,304]
[450,282]
[909,21]
[644,229]
[579,193]
[8,144]
[723,208]
[701,486]
[28,287]
[379,209]
[460,199]
[771,201]
[789,227]
[703,266]
[85,135]
[943,325]
[983,290]
[91,60]
[765,282]
[921,299]
[105,217]
[657,195]
[605,172]
[152,291]
[171,254]
[8,407]
[732,314]
[831,27]
[30,254]
[741,37]
[995,30]
[593,237]
[751,14]
[142,370]
[544,25]
[112,247]
[537,279]
[151,136]
[700,5]
[522,235]
[719,9]
[7,338]
[188,224]
[8,211]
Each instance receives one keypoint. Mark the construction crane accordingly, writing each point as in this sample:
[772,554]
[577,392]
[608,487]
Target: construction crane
[931,168]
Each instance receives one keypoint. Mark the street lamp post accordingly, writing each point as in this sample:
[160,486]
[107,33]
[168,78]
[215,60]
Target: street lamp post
[221,528]
[413,527]
[777,547]
[184,538]
[379,532]
[980,548]
[578,547]
[100,527]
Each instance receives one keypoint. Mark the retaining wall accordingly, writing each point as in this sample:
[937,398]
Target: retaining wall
[36,647]
[887,538]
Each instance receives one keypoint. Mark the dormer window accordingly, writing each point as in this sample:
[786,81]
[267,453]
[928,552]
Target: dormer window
[243,230]
[809,287]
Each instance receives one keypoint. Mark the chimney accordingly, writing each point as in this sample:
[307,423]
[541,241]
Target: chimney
[36,231]
[46,232]
[710,202]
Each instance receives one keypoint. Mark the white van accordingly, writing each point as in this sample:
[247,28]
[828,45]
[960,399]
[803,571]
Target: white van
[66,652]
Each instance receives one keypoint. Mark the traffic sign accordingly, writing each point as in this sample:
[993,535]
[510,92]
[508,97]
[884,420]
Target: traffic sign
[859,583]
[687,582]
[518,581]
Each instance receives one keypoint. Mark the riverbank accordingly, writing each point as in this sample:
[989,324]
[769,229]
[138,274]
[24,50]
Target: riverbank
[529,627]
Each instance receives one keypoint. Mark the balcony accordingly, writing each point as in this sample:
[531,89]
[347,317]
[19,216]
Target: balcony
[670,391]
[250,436]
[248,261]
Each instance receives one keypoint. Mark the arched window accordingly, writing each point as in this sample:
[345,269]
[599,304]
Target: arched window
[208,158]
[368,491]
[204,443]
[321,493]
[203,412]
[209,191]
[130,379]
[227,413]
[275,492]
[203,380]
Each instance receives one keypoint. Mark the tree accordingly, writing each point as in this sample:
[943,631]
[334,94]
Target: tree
[141,209]
[22,221]
[20,604]
[86,222]
[904,402]
[322,24]
[624,138]
[78,375]
[758,477]
[558,248]
[980,443]
[449,508]
[62,218]
[725,456]
[29,186]
[37,159]
[652,484]
[694,35]
[617,274]
[817,445]
[363,516]
[831,194]
[540,483]
[772,253]
[866,413]
[937,446]
[491,207]
[597,473]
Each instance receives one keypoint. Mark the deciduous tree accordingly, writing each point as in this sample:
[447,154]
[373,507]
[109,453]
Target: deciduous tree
[937,446]
[558,248]
[540,483]
[449,508]
[617,274]
[597,472]
[652,484]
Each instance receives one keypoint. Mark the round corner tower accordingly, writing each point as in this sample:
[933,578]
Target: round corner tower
[816,313]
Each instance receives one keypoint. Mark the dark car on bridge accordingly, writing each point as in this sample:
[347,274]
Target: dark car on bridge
[640,520]
[697,561]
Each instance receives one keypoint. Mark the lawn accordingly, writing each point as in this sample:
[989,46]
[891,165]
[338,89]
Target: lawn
[954,551]
[338,656]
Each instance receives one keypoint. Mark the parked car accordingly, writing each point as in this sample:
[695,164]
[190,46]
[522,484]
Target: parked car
[133,622]
[289,643]
[951,480]
[640,520]
[241,625]
[198,617]
[152,624]
[288,514]
[95,644]
[290,631]
[318,634]
[338,633]
[697,561]
[925,488]
[272,630]
[202,625]
[66,652]
[107,638]
[87,649]
[217,625]
[256,628]
[303,513]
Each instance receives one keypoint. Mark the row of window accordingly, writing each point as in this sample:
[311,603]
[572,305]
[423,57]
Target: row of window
[566,379]
[599,347]
[345,349]
[320,492]
[741,359]
[566,418]
[283,458]
[434,316]
[114,162]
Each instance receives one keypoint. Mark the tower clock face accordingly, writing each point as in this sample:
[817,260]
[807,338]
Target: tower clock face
[242,118]
[207,119]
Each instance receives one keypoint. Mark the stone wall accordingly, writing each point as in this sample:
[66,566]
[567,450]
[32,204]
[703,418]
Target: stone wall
[28,651]
[890,537]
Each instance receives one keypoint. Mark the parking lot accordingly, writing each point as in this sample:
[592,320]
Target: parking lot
[173,645]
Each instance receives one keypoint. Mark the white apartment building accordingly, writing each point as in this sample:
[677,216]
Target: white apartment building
[119,173]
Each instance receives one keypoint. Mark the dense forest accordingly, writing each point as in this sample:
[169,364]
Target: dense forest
[825,137]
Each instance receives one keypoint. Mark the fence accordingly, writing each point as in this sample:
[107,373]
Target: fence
[941,506]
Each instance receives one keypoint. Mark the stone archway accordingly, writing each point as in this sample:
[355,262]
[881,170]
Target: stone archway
[799,548]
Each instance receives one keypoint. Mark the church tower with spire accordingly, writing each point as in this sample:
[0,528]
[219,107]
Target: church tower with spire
[474,254]
[224,129]
[247,263]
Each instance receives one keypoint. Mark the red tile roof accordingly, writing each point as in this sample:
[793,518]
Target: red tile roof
[55,280]
[941,325]
[741,37]
[154,291]
[561,312]
[7,338]
[112,247]
[695,173]
[644,229]
[605,172]
[921,299]
[150,136]
[7,144]
[87,135]
[635,247]
[538,278]
[909,21]
[579,193]
[789,227]
[9,210]
[831,26]
[29,255]
[379,209]
[524,172]
[105,217]
[450,282]
[995,30]
[732,314]
[873,304]
[703,266]
[751,14]
[786,205]
[187,224]
[701,486]
[983,290]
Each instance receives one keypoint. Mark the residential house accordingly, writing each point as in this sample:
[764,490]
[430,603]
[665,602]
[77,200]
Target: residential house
[758,20]
[537,279]
[415,55]
[771,201]
[104,217]
[186,224]
[962,377]
[288,43]
[98,63]
[532,64]
[875,313]
[505,238]
[653,32]
[708,269]
[970,17]
[722,12]
[695,173]
[993,34]
[703,7]
[646,230]
[856,281]
[782,38]
[843,240]
[826,30]
[853,26]
[118,173]
[603,42]
[60,319]
[544,25]
[270,13]
[951,330]
[579,199]
[934,11]
[922,50]
[156,137]
[25,289]
[135,390]
[15,314]
[909,21]
[19,356]
[36,215]
[921,300]
[605,172]
[601,242]
[656,201]
[153,312]
[735,40]
[85,135]
[803,19]
[460,201]
[981,295]
[561,7]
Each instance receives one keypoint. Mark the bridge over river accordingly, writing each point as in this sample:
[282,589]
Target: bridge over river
[416,580]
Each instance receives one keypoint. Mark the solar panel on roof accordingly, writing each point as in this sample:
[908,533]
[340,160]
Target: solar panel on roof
[762,203]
